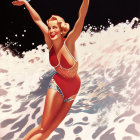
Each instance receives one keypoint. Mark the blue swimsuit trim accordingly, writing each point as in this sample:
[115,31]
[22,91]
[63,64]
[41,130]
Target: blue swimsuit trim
[54,86]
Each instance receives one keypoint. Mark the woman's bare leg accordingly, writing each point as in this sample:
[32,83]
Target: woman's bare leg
[53,103]
[58,119]
[32,132]
[36,137]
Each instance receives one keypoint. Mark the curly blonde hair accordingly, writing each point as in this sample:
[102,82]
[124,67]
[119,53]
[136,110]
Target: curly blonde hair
[65,27]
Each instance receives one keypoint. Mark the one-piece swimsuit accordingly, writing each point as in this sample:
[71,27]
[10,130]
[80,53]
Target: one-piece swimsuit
[66,80]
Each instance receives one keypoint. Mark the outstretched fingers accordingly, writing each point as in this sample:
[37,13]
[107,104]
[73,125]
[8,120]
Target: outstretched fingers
[18,3]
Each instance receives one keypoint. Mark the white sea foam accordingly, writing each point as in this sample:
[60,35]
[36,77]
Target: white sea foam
[109,64]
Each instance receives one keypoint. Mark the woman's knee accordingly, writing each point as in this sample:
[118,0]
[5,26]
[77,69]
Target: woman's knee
[45,126]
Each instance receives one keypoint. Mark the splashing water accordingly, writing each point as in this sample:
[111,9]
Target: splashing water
[107,106]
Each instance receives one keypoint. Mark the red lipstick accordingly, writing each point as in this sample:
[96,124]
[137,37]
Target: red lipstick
[52,35]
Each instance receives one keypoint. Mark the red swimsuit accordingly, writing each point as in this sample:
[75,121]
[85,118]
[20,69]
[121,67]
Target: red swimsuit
[66,77]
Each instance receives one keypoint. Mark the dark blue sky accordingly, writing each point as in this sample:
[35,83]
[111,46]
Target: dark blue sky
[17,21]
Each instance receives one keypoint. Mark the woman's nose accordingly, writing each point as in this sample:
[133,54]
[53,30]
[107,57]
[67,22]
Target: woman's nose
[51,30]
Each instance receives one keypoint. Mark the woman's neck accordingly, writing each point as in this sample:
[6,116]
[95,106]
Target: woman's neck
[57,44]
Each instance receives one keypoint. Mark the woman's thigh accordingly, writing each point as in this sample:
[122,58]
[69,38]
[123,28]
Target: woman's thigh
[64,109]
[53,103]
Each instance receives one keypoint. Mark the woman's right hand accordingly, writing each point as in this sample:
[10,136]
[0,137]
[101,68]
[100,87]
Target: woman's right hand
[19,2]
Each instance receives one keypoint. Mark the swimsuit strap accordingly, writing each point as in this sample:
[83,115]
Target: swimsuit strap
[50,48]
[69,51]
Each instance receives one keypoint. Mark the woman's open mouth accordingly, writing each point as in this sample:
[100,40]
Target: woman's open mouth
[52,35]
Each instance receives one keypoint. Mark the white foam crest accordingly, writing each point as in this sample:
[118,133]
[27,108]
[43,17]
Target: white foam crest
[108,67]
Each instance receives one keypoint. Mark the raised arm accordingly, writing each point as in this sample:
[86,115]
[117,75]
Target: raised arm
[75,33]
[36,18]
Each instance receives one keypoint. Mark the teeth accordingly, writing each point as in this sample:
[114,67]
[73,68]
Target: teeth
[53,34]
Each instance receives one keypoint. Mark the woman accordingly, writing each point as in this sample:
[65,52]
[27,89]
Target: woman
[65,83]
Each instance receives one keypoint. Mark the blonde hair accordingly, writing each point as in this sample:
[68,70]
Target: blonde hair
[65,27]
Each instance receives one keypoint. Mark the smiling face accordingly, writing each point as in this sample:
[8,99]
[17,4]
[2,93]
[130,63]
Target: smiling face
[54,30]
